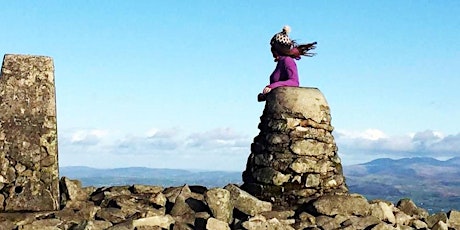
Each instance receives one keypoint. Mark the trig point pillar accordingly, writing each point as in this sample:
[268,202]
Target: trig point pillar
[294,158]
[29,175]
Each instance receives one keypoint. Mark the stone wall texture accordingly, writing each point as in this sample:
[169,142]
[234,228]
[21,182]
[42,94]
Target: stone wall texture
[29,176]
[294,158]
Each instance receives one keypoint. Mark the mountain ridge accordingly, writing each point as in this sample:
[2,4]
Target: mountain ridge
[432,183]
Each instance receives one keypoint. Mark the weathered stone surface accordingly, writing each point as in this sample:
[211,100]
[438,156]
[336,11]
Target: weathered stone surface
[161,221]
[45,224]
[216,224]
[259,222]
[418,224]
[402,218]
[435,218]
[409,207]
[440,226]
[342,204]
[28,134]
[358,222]
[247,203]
[383,211]
[383,226]
[219,202]
[299,103]
[454,219]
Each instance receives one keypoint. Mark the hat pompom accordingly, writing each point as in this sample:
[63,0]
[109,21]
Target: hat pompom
[286,29]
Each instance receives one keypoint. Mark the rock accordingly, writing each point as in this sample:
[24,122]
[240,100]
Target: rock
[216,224]
[383,211]
[181,207]
[72,193]
[435,218]
[219,202]
[146,189]
[247,203]
[418,224]
[92,225]
[402,218]
[383,226]
[440,226]
[409,207]
[327,222]
[280,215]
[173,192]
[45,224]
[342,204]
[355,222]
[454,219]
[161,221]
[259,222]
[113,215]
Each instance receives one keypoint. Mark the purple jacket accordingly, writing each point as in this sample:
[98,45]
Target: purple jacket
[285,73]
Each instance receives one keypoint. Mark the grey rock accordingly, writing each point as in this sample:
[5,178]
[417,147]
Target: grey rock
[342,204]
[218,200]
[247,203]
[359,222]
[435,218]
[409,207]
[454,219]
[440,226]
[154,221]
[216,224]
[418,224]
[383,211]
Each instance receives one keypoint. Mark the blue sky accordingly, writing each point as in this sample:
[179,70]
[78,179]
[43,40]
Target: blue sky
[174,83]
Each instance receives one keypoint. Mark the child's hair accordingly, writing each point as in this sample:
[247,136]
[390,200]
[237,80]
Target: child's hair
[296,52]
[304,48]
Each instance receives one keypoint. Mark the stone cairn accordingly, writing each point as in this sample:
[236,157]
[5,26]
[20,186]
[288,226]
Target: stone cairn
[29,178]
[294,157]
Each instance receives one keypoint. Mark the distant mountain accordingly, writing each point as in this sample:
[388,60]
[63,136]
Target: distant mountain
[434,184]
[152,176]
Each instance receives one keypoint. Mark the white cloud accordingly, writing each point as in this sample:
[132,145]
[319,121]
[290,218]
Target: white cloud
[218,138]
[174,148]
[87,137]
[368,134]
[171,148]
[371,144]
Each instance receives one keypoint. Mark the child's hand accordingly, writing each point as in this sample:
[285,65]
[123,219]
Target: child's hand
[266,90]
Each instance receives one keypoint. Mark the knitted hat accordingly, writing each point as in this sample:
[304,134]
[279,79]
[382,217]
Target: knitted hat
[282,39]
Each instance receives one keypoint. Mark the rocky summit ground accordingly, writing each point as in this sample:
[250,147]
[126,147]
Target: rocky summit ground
[197,207]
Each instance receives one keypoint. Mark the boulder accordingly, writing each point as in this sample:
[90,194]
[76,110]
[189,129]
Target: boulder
[216,224]
[247,203]
[332,205]
[218,200]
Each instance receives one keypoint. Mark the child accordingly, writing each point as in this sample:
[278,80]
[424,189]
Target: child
[284,51]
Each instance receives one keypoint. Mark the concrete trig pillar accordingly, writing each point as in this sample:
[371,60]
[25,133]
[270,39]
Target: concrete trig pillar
[294,158]
[29,174]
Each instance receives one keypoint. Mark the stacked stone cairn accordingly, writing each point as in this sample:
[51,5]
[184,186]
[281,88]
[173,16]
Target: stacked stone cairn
[32,198]
[294,158]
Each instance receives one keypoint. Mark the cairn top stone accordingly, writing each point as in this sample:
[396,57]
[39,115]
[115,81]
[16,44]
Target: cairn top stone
[300,102]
